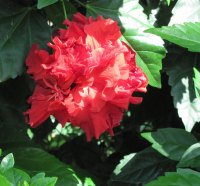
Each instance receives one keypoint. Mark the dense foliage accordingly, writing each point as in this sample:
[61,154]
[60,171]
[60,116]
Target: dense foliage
[157,142]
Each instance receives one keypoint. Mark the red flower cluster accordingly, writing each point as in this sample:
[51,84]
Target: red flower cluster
[88,79]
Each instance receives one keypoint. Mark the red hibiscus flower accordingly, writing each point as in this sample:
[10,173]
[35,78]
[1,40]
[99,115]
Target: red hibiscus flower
[89,78]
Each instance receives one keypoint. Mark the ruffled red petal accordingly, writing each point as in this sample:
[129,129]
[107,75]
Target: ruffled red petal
[88,80]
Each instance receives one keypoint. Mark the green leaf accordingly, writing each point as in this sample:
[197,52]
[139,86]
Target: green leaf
[180,178]
[14,127]
[37,176]
[141,168]
[179,67]
[4,181]
[185,11]
[13,95]
[168,2]
[16,176]
[88,182]
[188,171]
[170,142]
[197,82]
[188,110]
[191,157]
[35,160]
[123,162]
[7,162]
[30,25]
[25,183]
[187,35]
[40,179]
[149,56]
[130,16]
[44,3]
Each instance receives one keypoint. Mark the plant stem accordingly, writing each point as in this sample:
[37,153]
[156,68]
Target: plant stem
[64,9]
[82,4]
[86,6]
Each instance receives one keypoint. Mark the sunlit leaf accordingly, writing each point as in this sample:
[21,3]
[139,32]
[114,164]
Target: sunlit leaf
[88,182]
[185,11]
[123,162]
[16,176]
[4,181]
[182,178]
[170,142]
[40,179]
[187,35]
[179,67]
[7,162]
[197,82]
[168,2]
[188,110]
[191,157]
